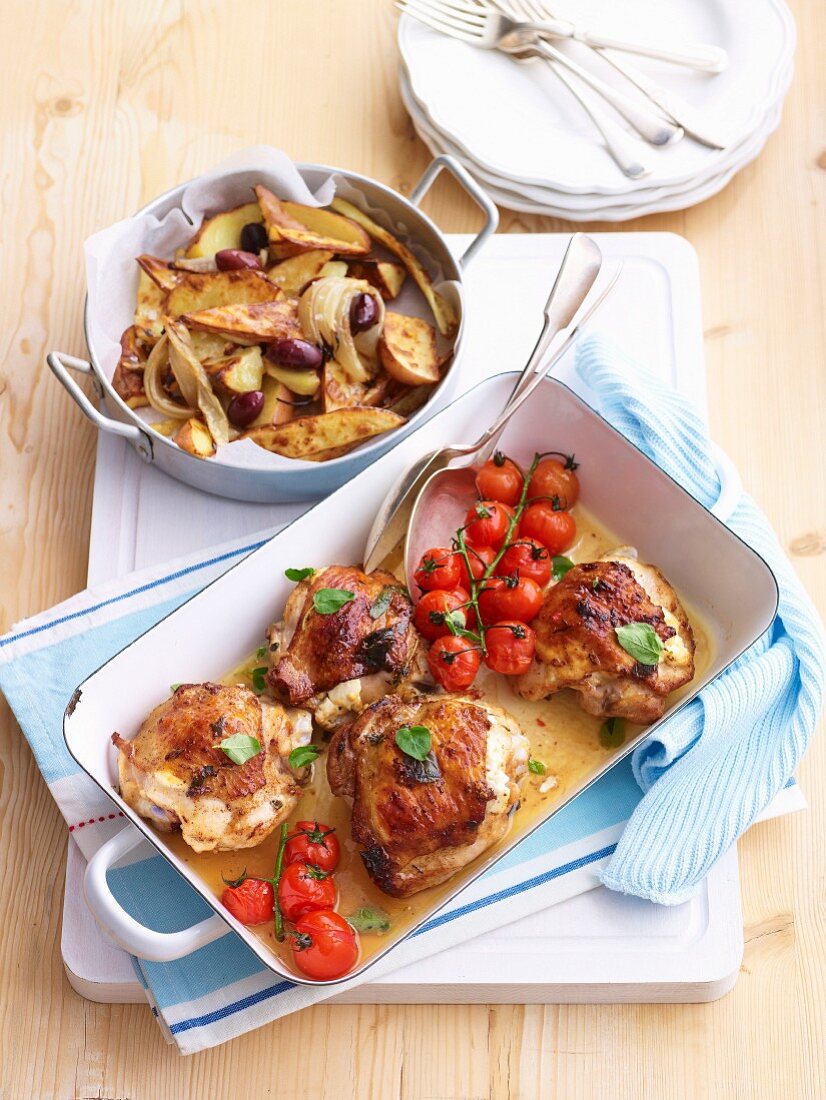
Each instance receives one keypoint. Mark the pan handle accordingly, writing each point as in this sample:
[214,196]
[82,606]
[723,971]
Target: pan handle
[60,365]
[479,196]
[731,487]
[128,933]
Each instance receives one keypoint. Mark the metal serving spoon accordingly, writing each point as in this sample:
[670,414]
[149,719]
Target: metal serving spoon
[579,269]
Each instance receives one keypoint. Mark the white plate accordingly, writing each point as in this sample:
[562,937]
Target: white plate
[518,122]
[556,204]
[531,196]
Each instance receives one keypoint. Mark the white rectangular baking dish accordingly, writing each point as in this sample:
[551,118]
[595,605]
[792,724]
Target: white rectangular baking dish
[722,578]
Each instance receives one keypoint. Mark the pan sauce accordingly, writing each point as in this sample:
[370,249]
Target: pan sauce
[561,735]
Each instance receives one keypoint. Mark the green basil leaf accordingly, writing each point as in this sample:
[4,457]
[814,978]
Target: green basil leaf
[241,747]
[561,565]
[174,687]
[257,675]
[303,756]
[298,574]
[640,641]
[328,600]
[612,733]
[414,741]
[369,919]
[261,652]
[536,766]
[382,602]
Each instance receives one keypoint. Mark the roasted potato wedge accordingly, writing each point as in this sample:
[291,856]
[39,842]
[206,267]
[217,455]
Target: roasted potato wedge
[307,436]
[303,382]
[335,268]
[166,427]
[410,399]
[162,273]
[341,392]
[223,231]
[294,274]
[149,310]
[407,350]
[128,377]
[259,323]
[444,313]
[219,288]
[294,228]
[193,436]
[210,345]
[386,277]
[240,372]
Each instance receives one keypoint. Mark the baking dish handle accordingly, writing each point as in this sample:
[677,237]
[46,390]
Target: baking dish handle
[731,487]
[128,933]
[479,196]
[60,365]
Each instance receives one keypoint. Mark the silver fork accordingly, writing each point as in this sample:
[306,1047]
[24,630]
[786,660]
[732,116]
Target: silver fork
[488,29]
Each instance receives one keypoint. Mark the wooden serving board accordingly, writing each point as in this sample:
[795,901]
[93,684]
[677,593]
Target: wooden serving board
[596,946]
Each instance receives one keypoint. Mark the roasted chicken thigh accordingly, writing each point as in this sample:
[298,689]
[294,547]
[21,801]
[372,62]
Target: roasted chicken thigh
[577,646]
[176,774]
[419,822]
[335,662]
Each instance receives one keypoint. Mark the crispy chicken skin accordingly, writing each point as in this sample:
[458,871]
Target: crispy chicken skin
[577,647]
[175,774]
[419,823]
[335,664]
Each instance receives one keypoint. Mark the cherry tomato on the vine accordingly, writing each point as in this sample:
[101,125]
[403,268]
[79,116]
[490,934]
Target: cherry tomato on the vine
[554,528]
[314,843]
[439,568]
[480,558]
[324,945]
[528,558]
[553,478]
[432,608]
[511,597]
[251,902]
[454,662]
[511,646]
[486,523]
[304,888]
[500,479]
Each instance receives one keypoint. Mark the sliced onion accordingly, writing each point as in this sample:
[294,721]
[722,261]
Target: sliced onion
[194,381]
[153,383]
[324,315]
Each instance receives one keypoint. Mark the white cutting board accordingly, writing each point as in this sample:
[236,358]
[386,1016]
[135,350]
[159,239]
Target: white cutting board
[597,946]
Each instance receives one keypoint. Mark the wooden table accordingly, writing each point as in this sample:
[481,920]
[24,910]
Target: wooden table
[106,105]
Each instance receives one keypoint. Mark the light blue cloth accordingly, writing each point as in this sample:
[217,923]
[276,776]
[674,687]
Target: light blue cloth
[719,761]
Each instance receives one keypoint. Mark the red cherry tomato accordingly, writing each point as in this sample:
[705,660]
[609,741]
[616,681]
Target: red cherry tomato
[324,945]
[252,902]
[439,568]
[303,889]
[486,523]
[504,598]
[527,558]
[555,529]
[511,646]
[316,844]
[480,558]
[555,479]
[431,609]
[454,662]
[500,479]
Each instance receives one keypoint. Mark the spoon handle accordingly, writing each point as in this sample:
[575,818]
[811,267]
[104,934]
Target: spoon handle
[579,269]
[530,380]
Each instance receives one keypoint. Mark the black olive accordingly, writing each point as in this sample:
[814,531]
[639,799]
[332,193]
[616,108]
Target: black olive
[363,313]
[254,237]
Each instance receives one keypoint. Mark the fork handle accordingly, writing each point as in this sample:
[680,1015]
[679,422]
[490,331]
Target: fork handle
[708,59]
[647,121]
[623,147]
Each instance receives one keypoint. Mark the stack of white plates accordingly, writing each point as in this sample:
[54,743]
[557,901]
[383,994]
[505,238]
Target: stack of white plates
[519,131]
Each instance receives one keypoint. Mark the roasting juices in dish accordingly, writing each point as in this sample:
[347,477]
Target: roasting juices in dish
[330,788]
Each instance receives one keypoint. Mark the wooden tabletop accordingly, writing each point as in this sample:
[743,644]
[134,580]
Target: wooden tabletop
[105,106]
